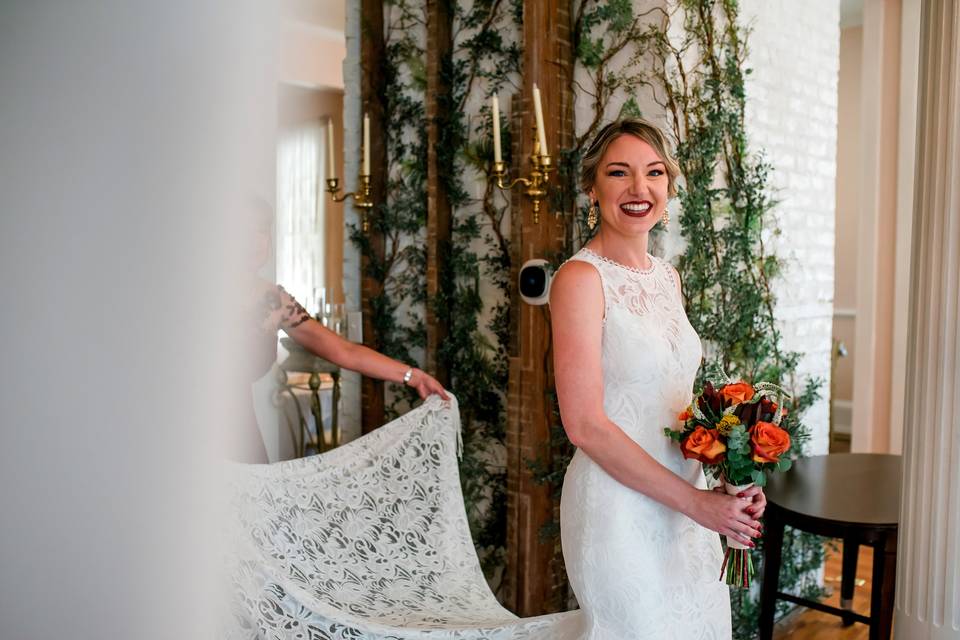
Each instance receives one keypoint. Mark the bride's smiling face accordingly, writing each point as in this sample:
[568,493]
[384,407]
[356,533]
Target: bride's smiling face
[631,186]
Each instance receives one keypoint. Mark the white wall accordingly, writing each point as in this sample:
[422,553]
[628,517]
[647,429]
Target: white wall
[350,407]
[792,115]
[312,45]
[877,260]
[311,55]
[849,163]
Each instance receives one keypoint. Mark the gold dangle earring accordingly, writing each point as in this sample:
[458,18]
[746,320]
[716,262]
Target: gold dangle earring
[592,216]
[665,220]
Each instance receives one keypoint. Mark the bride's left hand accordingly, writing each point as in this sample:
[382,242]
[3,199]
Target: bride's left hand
[758,501]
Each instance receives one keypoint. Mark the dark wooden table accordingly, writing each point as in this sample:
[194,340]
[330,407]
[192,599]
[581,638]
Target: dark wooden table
[851,496]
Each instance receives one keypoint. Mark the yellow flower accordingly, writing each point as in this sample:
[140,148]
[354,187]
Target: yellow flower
[726,424]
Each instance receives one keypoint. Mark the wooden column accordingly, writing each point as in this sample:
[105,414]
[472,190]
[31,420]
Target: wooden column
[372,55]
[439,50]
[531,573]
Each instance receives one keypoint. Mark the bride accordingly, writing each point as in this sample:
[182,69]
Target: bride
[638,526]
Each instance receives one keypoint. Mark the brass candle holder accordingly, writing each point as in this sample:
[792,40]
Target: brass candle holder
[361,197]
[534,186]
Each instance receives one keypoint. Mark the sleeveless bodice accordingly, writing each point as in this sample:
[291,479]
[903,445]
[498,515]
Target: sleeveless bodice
[638,568]
[650,352]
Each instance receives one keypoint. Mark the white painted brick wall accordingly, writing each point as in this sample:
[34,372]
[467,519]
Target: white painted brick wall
[352,122]
[792,115]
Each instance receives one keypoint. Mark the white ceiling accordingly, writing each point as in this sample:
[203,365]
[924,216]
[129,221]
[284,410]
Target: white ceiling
[323,14]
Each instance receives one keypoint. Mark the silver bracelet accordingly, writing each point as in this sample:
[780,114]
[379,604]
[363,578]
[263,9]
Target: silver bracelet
[408,375]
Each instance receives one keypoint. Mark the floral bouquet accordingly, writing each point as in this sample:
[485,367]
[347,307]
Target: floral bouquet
[739,432]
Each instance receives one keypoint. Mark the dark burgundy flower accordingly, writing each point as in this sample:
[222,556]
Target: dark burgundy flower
[710,400]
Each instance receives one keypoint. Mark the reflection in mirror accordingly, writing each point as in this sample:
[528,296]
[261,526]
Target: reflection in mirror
[308,237]
[302,208]
[309,225]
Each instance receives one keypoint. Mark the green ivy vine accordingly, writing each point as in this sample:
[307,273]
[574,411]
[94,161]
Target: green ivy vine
[485,58]
[398,312]
[728,275]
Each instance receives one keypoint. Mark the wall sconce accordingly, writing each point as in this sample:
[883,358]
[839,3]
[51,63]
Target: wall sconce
[534,185]
[361,197]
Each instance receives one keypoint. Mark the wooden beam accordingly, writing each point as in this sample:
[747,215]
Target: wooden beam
[372,53]
[438,98]
[532,575]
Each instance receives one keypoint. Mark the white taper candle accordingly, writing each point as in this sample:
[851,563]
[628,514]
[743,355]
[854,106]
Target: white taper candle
[331,167]
[497,155]
[538,113]
[366,145]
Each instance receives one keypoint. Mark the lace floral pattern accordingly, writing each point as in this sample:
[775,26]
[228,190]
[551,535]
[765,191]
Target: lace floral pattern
[368,541]
[638,568]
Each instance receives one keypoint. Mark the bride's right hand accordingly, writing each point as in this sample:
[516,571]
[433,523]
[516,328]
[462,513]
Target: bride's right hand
[726,515]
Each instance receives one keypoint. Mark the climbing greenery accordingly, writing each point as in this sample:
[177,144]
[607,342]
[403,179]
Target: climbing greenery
[397,314]
[473,300]
[623,58]
[475,288]
[729,275]
[696,75]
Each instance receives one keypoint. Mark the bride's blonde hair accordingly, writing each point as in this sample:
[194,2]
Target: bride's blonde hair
[649,133]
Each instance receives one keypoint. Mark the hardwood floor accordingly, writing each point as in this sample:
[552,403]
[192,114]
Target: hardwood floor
[806,624]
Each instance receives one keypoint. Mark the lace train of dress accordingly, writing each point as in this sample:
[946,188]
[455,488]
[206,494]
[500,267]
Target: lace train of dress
[638,568]
[369,540]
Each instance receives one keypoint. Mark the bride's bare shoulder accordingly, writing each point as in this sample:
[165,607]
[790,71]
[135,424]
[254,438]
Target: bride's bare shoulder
[575,280]
[577,271]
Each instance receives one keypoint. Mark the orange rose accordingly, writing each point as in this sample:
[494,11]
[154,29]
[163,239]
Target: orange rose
[686,414]
[768,442]
[736,393]
[703,445]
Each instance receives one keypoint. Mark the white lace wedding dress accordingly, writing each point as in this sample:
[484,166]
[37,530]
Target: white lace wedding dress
[369,540]
[638,568]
